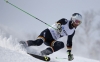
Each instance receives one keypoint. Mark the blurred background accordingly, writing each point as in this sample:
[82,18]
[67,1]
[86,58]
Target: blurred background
[16,24]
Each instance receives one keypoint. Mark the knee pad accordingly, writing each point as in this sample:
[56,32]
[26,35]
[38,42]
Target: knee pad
[58,45]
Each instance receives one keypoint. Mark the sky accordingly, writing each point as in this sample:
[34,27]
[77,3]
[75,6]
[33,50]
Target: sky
[48,11]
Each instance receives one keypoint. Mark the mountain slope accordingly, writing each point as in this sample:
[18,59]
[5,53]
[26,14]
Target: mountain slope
[11,50]
[7,55]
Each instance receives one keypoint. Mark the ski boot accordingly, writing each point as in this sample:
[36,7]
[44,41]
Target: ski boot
[23,44]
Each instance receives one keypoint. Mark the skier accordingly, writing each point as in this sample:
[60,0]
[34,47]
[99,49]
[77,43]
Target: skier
[50,36]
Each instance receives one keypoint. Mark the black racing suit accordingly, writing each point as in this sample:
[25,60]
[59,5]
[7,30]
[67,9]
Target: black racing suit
[46,37]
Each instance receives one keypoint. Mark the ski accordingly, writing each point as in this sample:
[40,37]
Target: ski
[43,58]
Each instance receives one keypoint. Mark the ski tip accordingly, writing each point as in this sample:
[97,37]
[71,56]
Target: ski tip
[47,58]
[44,58]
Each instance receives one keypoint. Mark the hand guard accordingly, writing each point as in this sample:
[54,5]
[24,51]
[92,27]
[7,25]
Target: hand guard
[59,28]
[70,56]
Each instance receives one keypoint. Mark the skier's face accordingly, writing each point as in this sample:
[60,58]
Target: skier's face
[76,23]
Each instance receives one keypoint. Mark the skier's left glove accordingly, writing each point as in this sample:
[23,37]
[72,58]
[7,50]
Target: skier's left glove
[70,56]
[59,28]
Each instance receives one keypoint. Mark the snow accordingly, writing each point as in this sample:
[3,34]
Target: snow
[7,55]
[11,50]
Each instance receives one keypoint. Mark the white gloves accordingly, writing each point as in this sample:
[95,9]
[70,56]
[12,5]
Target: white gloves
[59,28]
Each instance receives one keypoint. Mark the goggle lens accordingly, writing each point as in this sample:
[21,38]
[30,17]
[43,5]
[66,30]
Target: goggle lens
[77,22]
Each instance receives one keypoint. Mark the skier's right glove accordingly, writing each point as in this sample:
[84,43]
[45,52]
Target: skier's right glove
[70,56]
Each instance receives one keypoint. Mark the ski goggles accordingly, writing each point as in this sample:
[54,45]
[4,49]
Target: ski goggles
[78,22]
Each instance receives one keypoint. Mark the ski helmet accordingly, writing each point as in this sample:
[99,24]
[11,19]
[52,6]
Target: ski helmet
[77,18]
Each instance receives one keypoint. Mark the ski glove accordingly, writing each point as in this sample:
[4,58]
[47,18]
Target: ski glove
[70,56]
[59,28]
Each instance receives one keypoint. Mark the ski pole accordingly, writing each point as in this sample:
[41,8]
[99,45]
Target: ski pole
[28,14]
[60,58]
